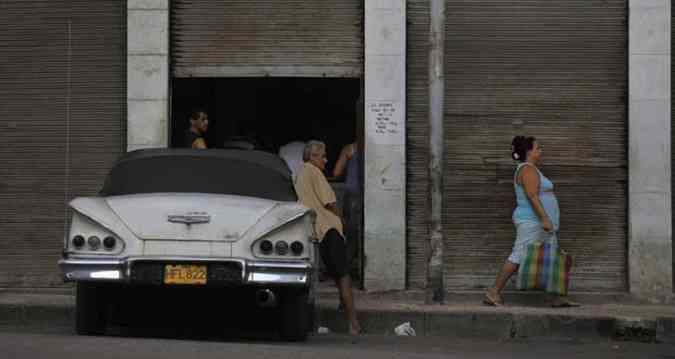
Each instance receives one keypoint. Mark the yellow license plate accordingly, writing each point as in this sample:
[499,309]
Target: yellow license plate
[184,274]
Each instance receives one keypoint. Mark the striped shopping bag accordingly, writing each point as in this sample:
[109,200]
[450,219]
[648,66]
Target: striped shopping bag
[545,267]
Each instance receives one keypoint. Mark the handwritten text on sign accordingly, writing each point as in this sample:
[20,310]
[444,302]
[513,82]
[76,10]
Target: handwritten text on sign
[385,122]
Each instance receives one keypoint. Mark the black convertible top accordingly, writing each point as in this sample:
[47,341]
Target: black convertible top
[236,172]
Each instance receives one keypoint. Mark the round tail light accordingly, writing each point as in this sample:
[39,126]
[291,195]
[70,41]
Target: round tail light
[94,242]
[297,248]
[266,247]
[109,243]
[78,241]
[281,248]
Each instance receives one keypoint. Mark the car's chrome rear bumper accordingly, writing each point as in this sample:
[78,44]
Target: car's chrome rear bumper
[251,272]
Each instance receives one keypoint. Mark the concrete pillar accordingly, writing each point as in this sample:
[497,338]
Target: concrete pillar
[384,195]
[436,264]
[650,209]
[147,73]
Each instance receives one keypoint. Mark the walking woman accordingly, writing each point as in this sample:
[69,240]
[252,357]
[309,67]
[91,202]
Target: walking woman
[536,217]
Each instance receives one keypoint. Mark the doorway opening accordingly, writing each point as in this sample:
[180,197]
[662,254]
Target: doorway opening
[269,112]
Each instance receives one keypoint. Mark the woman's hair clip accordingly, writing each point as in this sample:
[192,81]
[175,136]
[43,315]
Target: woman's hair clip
[516,156]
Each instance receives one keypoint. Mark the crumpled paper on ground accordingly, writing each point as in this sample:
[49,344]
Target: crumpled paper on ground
[405,329]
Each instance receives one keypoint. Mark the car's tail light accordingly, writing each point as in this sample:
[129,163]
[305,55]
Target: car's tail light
[109,242]
[281,247]
[297,248]
[78,241]
[94,242]
[266,247]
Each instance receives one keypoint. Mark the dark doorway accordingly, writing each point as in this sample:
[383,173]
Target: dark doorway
[271,112]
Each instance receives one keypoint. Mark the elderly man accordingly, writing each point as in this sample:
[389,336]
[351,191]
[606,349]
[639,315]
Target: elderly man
[314,192]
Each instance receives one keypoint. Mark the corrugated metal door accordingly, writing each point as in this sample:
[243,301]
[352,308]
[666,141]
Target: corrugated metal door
[305,38]
[62,114]
[417,141]
[554,70]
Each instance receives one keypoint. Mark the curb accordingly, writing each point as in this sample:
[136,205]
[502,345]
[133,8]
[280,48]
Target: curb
[44,318]
[506,326]
[22,317]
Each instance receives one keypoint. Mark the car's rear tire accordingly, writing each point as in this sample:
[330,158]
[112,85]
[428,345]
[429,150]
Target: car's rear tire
[295,316]
[91,309]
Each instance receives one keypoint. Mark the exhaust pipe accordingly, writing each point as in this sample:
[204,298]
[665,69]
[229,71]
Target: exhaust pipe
[265,298]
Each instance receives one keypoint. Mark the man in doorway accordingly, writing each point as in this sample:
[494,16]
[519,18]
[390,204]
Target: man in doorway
[199,124]
[349,163]
[314,192]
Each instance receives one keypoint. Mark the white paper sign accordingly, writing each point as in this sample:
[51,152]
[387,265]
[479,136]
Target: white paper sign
[385,122]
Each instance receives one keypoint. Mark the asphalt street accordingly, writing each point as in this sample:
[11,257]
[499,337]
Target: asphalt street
[54,343]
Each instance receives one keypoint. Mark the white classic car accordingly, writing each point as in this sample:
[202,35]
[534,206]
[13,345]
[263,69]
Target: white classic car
[194,218]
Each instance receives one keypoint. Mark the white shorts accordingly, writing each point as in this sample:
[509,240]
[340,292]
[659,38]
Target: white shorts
[529,232]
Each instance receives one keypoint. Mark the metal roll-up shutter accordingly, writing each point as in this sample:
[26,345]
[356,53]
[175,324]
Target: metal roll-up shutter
[555,70]
[306,38]
[417,141]
[63,114]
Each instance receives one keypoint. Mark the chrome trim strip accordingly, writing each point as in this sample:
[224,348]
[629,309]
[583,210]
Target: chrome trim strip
[277,278]
[108,262]
[182,259]
[86,270]
[253,272]
[275,265]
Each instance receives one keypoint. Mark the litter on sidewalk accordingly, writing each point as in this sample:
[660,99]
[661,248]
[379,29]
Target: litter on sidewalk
[405,329]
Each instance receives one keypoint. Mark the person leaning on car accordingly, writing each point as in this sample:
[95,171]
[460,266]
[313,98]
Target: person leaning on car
[314,192]
[199,124]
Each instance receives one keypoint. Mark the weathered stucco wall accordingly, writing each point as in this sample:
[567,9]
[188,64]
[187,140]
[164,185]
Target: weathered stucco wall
[650,207]
[384,197]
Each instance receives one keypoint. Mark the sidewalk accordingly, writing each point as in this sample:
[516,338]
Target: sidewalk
[601,317]
[525,315]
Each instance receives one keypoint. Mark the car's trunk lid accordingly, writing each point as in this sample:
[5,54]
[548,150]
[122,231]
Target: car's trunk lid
[189,216]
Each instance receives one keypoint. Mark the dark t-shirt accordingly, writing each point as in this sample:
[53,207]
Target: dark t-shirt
[190,138]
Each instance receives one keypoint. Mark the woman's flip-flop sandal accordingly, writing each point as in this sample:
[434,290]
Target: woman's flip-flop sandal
[495,302]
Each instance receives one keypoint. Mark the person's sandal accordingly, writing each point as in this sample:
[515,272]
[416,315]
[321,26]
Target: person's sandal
[564,303]
[495,301]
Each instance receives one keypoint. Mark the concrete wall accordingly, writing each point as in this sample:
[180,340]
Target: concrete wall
[650,207]
[384,196]
[147,73]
